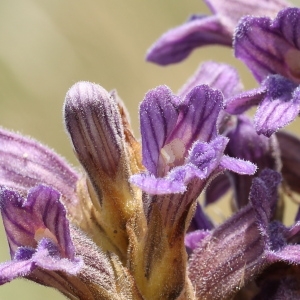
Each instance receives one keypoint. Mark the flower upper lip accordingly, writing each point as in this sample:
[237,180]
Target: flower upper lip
[180,140]
[38,233]
[201,30]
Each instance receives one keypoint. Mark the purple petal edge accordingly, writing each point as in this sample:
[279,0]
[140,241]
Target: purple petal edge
[176,44]
[25,163]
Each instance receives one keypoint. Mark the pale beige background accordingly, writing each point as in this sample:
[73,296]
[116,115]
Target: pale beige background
[46,46]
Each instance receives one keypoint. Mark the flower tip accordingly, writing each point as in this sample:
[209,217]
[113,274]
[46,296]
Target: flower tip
[253,168]
[85,92]
[159,53]
[76,88]
[83,100]
[8,195]
[94,124]
[157,186]
[249,168]
[151,56]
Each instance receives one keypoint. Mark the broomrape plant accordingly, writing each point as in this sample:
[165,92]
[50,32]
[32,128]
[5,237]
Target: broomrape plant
[129,226]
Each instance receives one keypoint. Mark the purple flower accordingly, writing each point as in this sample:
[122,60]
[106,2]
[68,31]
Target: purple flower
[45,248]
[117,228]
[244,143]
[64,233]
[39,237]
[270,46]
[217,76]
[25,163]
[182,151]
[201,30]
[270,49]
[227,258]
[180,140]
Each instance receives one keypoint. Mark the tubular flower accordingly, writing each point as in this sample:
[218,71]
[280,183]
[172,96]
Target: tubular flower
[189,146]
[244,143]
[45,248]
[181,152]
[38,234]
[270,49]
[57,232]
[253,244]
[201,30]
[128,224]
[94,234]
[117,228]
[252,255]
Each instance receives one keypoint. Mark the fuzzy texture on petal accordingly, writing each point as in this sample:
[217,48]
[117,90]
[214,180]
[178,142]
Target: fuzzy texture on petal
[218,76]
[94,124]
[238,166]
[270,47]
[231,11]
[183,122]
[203,159]
[159,186]
[38,233]
[279,107]
[198,114]
[234,252]
[188,146]
[158,116]
[14,269]
[222,259]
[281,279]
[193,239]
[97,124]
[43,248]
[264,187]
[46,257]
[207,156]
[25,163]
[240,103]
[176,44]
[271,50]
[26,221]
[278,100]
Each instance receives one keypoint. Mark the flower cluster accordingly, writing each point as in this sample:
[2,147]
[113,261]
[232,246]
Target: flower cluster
[129,225]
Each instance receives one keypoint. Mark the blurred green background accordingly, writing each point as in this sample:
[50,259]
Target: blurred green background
[46,46]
